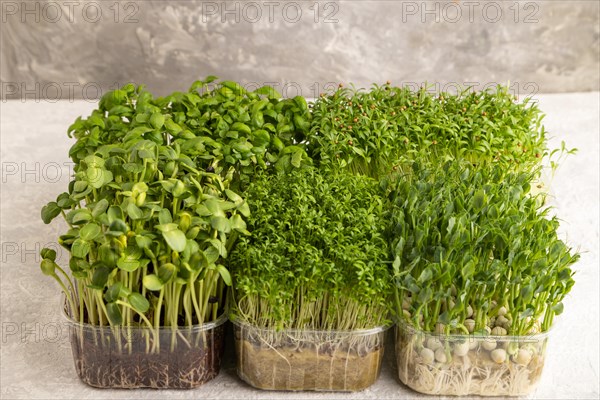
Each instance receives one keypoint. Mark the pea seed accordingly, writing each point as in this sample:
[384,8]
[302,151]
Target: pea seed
[498,356]
[523,357]
[427,356]
[440,355]
[489,344]
[461,349]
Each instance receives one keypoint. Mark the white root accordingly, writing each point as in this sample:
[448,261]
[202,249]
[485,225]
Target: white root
[482,372]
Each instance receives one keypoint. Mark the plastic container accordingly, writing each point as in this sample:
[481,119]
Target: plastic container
[308,360]
[136,357]
[459,365]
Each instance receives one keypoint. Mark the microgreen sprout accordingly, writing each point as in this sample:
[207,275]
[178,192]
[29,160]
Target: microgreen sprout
[376,132]
[316,256]
[479,275]
[471,245]
[150,211]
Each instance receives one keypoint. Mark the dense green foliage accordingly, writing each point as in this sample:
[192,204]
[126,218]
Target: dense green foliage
[150,212]
[377,131]
[473,245]
[225,128]
[317,256]
[308,207]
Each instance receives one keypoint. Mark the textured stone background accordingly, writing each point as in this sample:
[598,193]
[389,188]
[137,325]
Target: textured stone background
[81,48]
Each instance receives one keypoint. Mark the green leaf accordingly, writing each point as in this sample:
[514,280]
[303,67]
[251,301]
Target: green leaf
[175,239]
[527,294]
[233,196]
[164,216]
[113,292]
[214,207]
[90,232]
[50,254]
[167,227]
[269,92]
[143,242]
[107,255]
[119,226]
[80,186]
[80,248]
[138,302]
[100,278]
[220,223]
[234,87]
[219,246]
[261,138]
[242,128]
[157,120]
[224,274]
[50,211]
[237,223]
[297,158]
[99,208]
[558,308]
[424,295]
[212,254]
[128,264]
[95,120]
[114,213]
[198,260]
[425,275]
[79,216]
[396,265]
[134,211]
[479,199]
[172,127]
[166,272]
[152,282]
[64,201]
[94,177]
[301,123]
[244,209]
[301,103]
[114,313]
[48,267]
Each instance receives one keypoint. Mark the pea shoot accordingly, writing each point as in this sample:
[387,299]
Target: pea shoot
[475,253]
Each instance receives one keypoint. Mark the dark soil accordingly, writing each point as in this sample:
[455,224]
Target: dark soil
[129,360]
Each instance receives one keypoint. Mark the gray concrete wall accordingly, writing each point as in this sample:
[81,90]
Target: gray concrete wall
[81,48]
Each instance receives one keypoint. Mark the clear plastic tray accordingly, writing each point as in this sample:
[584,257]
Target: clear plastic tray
[138,357]
[308,360]
[460,365]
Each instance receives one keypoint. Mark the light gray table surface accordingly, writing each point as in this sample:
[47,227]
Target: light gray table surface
[36,359]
